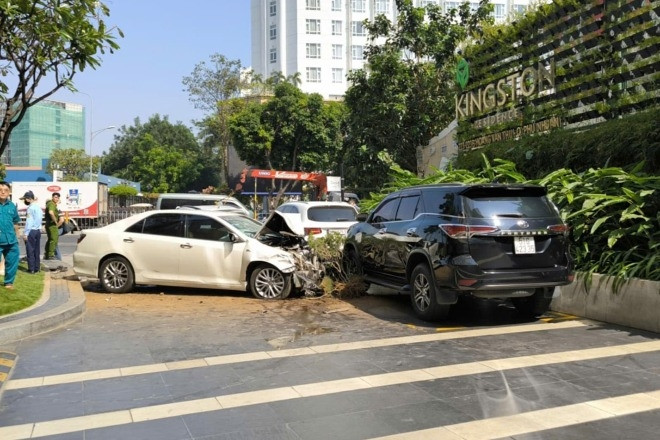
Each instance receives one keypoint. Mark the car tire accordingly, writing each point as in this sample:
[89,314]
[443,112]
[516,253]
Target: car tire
[423,297]
[268,282]
[534,305]
[117,275]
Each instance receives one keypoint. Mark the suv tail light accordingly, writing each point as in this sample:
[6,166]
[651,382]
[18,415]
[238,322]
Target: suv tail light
[559,229]
[312,231]
[463,231]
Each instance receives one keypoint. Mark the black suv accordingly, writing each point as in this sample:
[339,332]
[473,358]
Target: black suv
[438,241]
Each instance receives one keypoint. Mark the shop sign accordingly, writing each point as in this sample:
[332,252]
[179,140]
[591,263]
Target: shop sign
[529,82]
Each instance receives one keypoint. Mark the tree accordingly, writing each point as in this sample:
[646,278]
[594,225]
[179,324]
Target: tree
[73,162]
[47,39]
[174,145]
[407,87]
[162,168]
[206,86]
[291,131]
[215,139]
[125,146]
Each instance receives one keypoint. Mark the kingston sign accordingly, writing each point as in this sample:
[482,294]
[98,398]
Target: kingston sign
[531,81]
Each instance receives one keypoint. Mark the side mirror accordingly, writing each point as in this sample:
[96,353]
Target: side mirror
[362,217]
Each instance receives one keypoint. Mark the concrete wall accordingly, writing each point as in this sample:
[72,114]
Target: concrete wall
[636,304]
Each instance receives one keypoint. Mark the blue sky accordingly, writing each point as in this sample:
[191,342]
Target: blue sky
[163,41]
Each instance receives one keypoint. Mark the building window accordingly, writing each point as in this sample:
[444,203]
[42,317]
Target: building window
[451,5]
[313,26]
[499,11]
[336,27]
[313,74]
[425,3]
[313,50]
[273,8]
[337,51]
[273,31]
[336,5]
[358,29]
[357,52]
[358,6]
[273,55]
[313,5]
[337,75]
[382,7]
[520,8]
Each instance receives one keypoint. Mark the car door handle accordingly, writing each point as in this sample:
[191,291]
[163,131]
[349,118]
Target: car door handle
[382,230]
[185,246]
[412,232]
[128,240]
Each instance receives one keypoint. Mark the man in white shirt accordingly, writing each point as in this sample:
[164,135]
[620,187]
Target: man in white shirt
[32,232]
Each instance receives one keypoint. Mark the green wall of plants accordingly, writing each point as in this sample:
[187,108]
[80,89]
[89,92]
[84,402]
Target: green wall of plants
[623,142]
[606,58]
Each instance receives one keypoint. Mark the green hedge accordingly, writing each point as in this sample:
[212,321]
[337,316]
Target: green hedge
[615,143]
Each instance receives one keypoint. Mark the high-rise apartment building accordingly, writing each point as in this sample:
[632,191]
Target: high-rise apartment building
[323,40]
[45,127]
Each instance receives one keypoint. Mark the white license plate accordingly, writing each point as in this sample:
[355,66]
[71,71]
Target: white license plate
[524,245]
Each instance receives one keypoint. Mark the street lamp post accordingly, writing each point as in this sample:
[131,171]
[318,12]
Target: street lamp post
[91,140]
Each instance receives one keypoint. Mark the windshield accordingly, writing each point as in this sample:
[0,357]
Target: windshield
[246,225]
[514,207]
[332,214]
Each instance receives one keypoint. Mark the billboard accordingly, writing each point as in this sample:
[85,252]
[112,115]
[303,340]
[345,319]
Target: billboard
[78,199]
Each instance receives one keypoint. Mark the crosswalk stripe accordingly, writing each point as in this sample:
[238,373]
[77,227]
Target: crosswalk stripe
[217,403]
[60,379]
[539,420]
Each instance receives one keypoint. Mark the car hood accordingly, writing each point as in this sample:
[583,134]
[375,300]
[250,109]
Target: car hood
[278,222]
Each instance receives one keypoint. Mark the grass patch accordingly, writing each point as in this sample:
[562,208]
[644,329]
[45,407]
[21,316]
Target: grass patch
[27,291]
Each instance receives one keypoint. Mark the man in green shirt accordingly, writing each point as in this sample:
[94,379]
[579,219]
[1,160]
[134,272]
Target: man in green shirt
[9,220]
[53,223]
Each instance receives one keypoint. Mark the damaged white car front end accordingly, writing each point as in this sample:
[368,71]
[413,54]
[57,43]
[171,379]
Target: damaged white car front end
[287,233]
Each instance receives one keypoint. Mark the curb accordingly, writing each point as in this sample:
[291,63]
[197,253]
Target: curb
[49,320]
[7,362]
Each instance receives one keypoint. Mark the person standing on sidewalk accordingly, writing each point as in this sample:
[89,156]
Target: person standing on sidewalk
[53,223]
[9,220]
[32,232]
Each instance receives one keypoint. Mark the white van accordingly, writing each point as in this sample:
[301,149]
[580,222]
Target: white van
[177,200]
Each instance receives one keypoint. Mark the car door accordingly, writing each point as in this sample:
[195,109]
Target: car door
[374,240]
[153,247]
[402,235]
[208,257]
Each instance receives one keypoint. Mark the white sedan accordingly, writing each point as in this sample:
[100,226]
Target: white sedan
[190,248]
[319,218]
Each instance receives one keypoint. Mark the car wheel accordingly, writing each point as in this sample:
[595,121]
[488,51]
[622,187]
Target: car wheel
[423,297]
[534,305]
[117,275]
[351,263]
[268,282]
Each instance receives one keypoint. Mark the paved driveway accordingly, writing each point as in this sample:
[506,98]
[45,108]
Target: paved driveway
[168,364]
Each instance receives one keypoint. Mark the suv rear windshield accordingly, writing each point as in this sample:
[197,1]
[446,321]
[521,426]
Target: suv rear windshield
[508,206]
[332,214]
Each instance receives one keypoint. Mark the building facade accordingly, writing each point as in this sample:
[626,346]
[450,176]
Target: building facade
[45,127]
[323,40]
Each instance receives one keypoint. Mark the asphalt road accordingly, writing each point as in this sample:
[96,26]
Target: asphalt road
[67,244]
[199,364]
